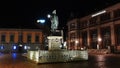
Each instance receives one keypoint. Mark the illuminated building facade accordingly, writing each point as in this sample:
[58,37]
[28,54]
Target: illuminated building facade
[101,29]
[13,40]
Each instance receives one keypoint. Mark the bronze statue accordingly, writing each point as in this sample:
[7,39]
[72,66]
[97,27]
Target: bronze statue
[54,21]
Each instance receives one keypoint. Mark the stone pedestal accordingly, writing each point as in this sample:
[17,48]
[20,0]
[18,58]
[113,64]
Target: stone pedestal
[54,42]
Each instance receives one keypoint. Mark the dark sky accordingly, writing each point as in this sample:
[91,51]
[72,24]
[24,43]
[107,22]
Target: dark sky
[24,13]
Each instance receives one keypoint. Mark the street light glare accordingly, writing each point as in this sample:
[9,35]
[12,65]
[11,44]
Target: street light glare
[14,47]
[25,47]
[49,16]
[99,39]
[76,41]
[41,21]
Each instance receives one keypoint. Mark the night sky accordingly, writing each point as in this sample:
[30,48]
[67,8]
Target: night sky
[24,13]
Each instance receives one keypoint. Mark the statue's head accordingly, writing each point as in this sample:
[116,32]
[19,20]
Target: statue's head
[54,12]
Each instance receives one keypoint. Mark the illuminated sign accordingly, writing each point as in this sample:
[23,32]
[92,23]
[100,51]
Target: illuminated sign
[99,13]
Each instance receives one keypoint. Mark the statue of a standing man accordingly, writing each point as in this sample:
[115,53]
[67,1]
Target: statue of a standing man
[54,21]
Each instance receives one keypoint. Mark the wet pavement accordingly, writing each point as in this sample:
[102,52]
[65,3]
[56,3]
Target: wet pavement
[95,61]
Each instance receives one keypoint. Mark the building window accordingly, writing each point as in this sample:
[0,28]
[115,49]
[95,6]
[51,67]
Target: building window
[36,38]
[72,36]
[72,26]
[3,38]
[29,38]
[105,17]
[93,21]
[94,41]
[106,37]
[72,44]
[84,38]
[117,34]
[84,24]
[12,38]
[116,13]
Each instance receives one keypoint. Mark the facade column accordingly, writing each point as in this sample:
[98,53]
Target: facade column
[24,37]
[112,35]
[99,38]
[79,37]
[7,37]
[0,36]
[88,38]
[80,40]
[68,47]
[33,37]
[16,37]
[76,40]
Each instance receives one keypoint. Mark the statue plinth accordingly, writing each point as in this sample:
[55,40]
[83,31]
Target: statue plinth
[57,33]
[54,42]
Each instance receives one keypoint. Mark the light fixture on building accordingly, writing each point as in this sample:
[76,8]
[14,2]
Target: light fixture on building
[96,14]
[99,39]
[76,42]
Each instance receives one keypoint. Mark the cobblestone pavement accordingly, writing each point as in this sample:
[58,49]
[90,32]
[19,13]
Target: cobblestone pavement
[95,61]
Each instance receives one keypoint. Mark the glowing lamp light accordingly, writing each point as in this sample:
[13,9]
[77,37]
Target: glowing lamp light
[99,39]
[76,42]
[49,16]
[25,47]
[41,21]
[14,47]
[82,48]
[20,45]
[104,11]
[2,47]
